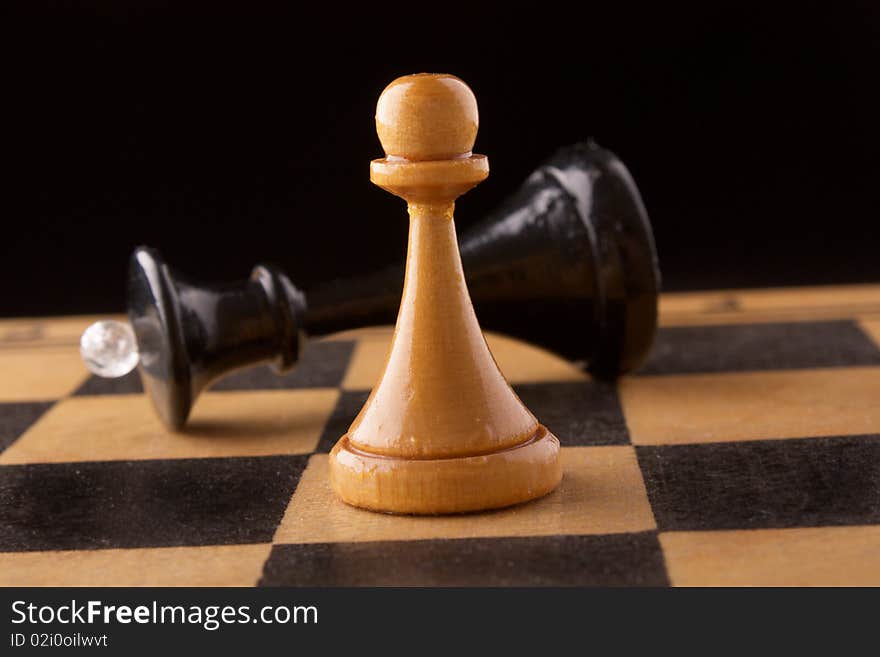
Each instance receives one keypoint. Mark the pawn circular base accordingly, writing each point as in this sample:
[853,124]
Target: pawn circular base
[449,485]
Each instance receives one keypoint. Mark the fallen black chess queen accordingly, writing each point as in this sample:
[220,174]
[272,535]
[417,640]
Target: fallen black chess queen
[567,262]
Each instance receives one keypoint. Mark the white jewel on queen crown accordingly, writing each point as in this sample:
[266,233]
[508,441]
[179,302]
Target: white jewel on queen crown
[109,348]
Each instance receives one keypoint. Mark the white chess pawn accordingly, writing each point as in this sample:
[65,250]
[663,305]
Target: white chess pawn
[442,431]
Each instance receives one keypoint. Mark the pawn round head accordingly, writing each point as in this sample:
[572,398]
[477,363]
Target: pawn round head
[427,116]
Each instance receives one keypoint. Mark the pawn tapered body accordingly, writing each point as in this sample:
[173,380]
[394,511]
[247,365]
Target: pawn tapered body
[442,431]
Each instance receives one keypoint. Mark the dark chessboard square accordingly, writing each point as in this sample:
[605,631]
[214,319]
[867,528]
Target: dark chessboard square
[16,418]
[579,413]
[322,365]
[130,384]
[346,410]
[119,504]
[606,560]
[746,347]
[808,482]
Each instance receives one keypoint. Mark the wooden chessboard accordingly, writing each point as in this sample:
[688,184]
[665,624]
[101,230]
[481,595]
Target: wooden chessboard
[747,451]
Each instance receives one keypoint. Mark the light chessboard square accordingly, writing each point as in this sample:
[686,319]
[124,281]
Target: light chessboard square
[365,366]
[223,424]
[525,363]
[810,556]
[871,326]
[518,361]
[39,373]
[48,331]
[203,565]
[602,492]
[801,304]
[705,408]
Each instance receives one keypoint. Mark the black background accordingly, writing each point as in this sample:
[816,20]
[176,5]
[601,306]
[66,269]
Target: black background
[229,136]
